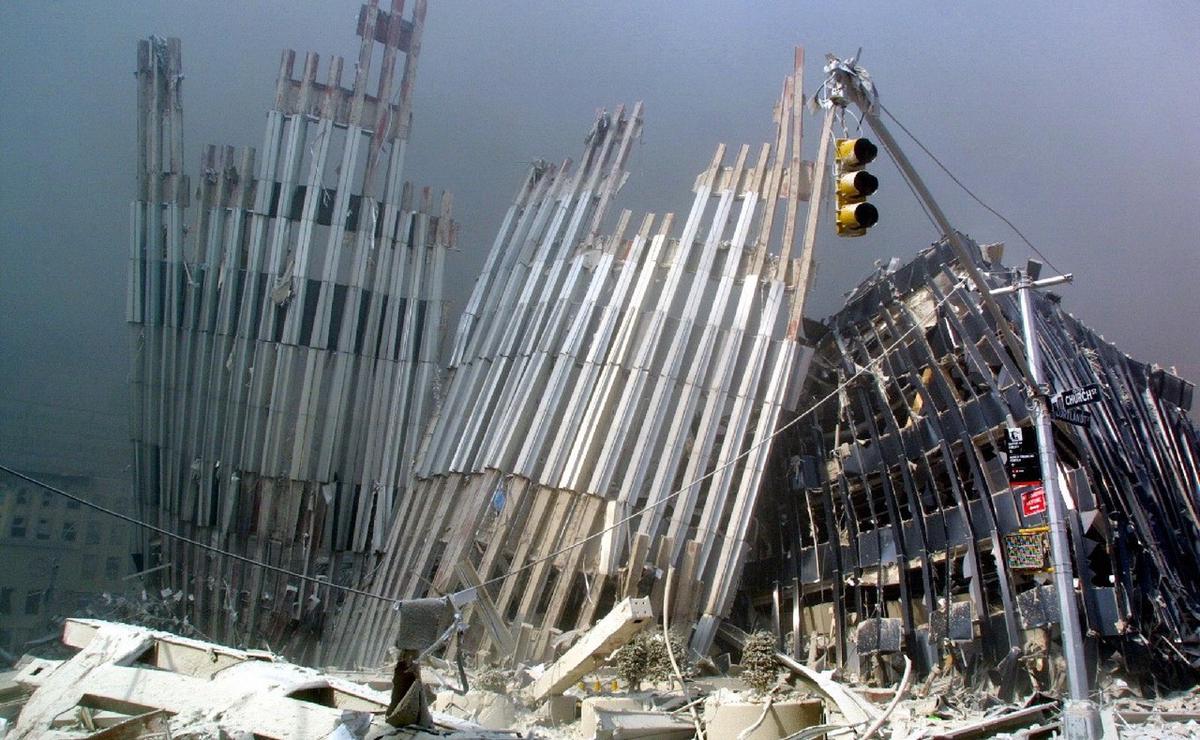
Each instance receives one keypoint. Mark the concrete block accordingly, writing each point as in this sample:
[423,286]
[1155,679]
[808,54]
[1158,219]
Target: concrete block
[783,719]
[486,708]
[609,718]
[559,710]
[592,706]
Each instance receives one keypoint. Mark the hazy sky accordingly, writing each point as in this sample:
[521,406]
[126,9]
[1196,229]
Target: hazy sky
[1078,121]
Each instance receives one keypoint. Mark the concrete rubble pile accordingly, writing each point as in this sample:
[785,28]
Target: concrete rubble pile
[130,682]
[127,682]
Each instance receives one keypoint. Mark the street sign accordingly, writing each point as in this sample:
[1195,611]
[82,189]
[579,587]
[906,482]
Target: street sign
[1028,549]
[1033,500]
[1024,461]
[1078,417]
[1069,399]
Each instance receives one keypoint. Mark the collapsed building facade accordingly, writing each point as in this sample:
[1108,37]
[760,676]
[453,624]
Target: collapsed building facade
[626,399]
[610,401]
[286,333]
[889,524]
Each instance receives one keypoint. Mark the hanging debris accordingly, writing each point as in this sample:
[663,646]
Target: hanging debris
[286,334]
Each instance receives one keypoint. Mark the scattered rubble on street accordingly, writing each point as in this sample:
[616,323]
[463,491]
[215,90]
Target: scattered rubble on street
[130,682]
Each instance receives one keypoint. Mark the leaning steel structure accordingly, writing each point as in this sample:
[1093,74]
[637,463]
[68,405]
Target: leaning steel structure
[286,333]
[610,400]
[890,525]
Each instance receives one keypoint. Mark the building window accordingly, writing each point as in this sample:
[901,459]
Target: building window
[43,528]
[17,530]
[112,568]
[47,499]
[33,602]
[93,533]
[23,496]
[6,600]
[69,531]
[88,571]
[3,495]
[5,638]
[114,534]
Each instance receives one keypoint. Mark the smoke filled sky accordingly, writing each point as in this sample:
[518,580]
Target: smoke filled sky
[1077,121]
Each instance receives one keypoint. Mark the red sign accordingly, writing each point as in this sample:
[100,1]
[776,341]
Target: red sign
[1033,500]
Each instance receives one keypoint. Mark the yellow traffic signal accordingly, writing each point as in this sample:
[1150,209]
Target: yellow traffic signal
[855,152]
[853,185]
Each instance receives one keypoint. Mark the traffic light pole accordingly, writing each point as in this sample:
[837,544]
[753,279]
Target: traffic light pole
[1081,716]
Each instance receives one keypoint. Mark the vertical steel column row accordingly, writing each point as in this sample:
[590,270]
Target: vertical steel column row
[582,368]
[285,356]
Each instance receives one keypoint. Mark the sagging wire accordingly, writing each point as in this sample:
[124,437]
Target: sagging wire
[835,393]
[968,191]
[203,545]
[745,453]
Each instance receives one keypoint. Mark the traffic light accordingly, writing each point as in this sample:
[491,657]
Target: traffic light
[854,214]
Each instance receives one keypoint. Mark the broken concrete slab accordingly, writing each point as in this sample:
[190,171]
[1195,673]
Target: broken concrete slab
[558,710]
[782,719]
[592,706]
[626,717]
[137,672]
[625,620]
[486,708]
[150,724]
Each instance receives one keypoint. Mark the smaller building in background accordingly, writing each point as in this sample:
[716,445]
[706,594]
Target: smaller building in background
[57,554]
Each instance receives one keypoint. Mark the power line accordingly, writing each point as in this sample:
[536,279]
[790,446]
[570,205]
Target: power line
[968,191]
[566,548]
[63,406]
[831,395]
[188,540]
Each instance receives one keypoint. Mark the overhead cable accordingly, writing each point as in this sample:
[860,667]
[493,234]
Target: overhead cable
[566,548]
[968,191]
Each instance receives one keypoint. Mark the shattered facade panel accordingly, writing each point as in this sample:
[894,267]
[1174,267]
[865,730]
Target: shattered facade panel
[893,500]
[595,372]
[286,333]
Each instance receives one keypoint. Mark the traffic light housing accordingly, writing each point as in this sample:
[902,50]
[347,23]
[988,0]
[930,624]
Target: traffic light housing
[853,185]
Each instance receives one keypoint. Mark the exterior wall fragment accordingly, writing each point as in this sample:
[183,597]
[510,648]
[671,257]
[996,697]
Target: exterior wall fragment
[893,501]
[286,334]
